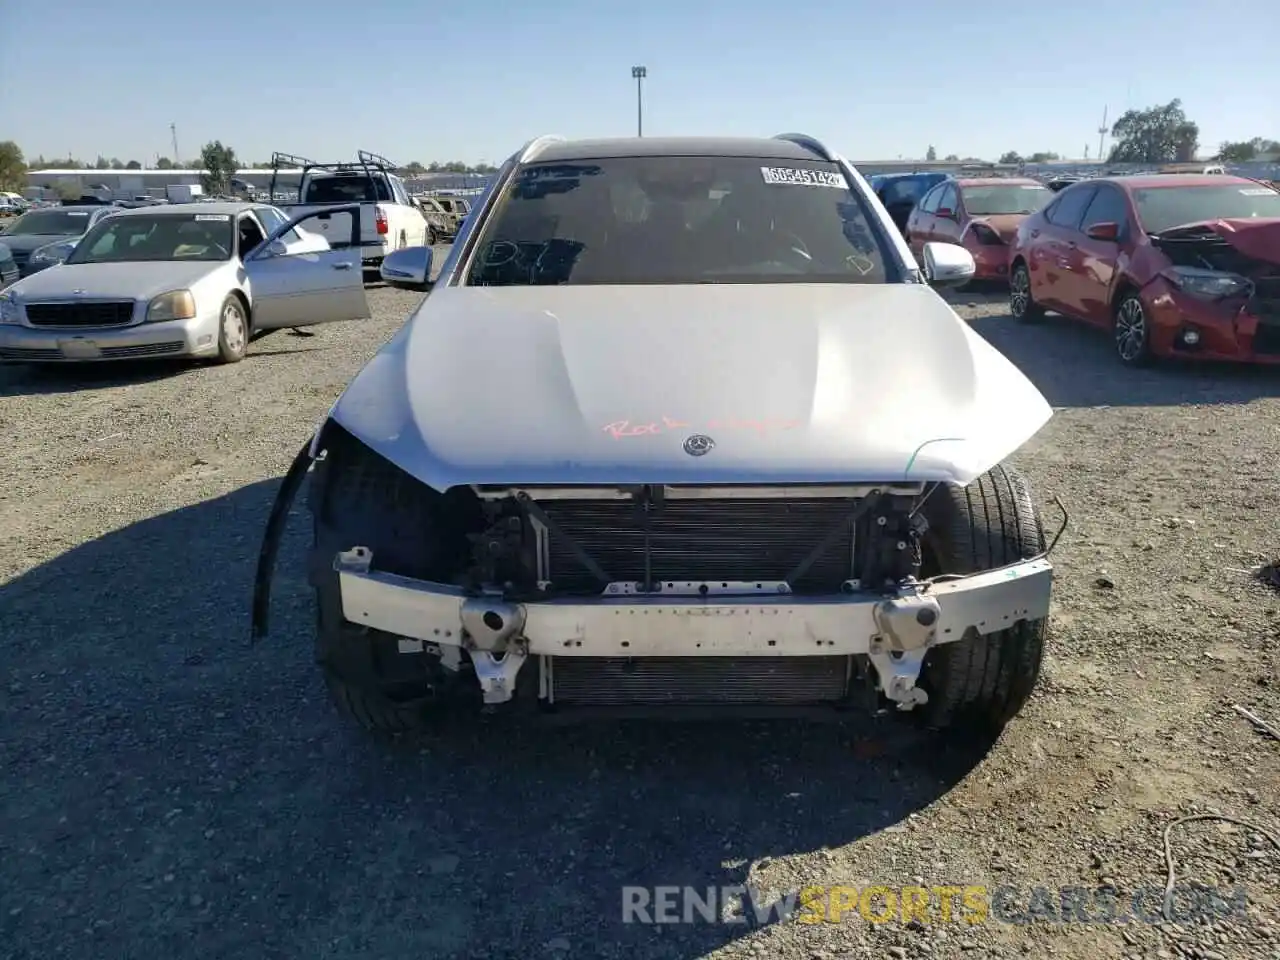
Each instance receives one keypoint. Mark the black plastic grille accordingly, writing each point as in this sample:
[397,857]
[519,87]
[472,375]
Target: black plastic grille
[698,681]
[98,313]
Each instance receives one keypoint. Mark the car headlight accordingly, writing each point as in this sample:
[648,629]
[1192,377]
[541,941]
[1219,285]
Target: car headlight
[174,305]
[1207,284]
[52,253]
[9,309]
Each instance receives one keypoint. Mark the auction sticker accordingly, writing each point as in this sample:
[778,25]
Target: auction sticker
[806,178]
[214,217]
[1257,191]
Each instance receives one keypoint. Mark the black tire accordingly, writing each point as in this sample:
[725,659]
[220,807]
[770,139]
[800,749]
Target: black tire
[433,237]
[233,330]
[983,681]
[1022,306]
[1131,332]
[359,499]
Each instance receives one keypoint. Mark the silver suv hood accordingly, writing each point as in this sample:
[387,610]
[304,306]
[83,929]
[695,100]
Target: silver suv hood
[793,383]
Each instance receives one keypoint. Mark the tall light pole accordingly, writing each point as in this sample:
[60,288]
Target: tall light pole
[639,73]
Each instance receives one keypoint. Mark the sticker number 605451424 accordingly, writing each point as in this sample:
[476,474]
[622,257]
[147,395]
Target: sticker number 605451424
[806,178]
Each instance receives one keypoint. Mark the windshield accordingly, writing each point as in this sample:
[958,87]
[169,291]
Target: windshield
[347,188]
[673,220]
[154,237]
[1160,208]
[905,191]
[1005,198]
[49,223]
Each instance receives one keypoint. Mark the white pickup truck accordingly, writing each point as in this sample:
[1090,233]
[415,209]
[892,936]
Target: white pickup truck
[389,220]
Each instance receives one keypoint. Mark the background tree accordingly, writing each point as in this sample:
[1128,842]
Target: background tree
[931,154]
[1243,151]
[67,191]
[1044,156]
[415,169]
[1012,156]
[133,165]
[951,157]
[1186,139]
[219,163]
[164,163]
[116,164]
[13,167]
[102,163]
[1158,134]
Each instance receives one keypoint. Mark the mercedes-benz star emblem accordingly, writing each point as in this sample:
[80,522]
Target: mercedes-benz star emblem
[698,445]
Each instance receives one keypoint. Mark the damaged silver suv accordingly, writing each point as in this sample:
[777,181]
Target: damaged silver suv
[681,424]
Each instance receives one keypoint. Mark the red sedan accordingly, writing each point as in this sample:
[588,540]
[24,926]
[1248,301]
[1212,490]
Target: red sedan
[981,215]
[1175,266]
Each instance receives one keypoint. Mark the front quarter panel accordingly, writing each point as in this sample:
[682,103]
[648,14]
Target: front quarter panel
[1011,408]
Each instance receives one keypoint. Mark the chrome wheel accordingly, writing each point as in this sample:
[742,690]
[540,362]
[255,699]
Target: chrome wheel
[1131,330]
[234,332]
[1019,292]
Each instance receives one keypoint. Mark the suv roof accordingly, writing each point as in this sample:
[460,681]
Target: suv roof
[767,148]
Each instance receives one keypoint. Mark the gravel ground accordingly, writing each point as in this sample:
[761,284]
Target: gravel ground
[168,791]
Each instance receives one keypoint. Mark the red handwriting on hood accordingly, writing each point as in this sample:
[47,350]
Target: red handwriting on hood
[639,428]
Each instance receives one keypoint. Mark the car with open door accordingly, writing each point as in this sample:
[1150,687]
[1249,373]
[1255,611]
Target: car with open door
[980,214]
[1173,265]
[182,280]
[682,424]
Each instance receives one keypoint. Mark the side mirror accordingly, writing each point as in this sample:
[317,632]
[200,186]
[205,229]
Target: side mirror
[946,213]
[408,268]
[277,248]
[947,265]
[1103,231]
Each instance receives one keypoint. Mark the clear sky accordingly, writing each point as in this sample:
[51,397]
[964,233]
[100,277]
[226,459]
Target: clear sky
[425,80]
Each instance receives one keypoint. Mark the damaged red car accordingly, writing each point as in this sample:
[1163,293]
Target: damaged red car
[1175,266]
[979,214]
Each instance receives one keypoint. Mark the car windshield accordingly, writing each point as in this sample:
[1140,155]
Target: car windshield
[1005,198]
[154,237]
[347,188]
[49,223]
[904,191]
[675,220]
[1162,208]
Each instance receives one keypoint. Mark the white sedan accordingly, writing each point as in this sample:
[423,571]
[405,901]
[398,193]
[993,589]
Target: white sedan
[183,280]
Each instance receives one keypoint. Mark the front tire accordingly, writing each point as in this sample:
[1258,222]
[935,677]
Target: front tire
[359,499]
[982,682]
[233,330]
[1132,332]
[1022,306]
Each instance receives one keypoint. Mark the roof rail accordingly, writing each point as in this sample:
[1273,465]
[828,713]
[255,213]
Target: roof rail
[280,159]
[536,146]
[373,160]
[812,144]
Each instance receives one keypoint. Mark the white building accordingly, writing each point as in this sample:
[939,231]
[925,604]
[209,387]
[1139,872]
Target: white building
[126,184]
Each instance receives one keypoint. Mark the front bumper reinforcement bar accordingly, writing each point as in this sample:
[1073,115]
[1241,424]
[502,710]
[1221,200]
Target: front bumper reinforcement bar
[895,631]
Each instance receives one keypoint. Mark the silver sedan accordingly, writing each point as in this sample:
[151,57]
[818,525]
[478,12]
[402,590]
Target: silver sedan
[185,280]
